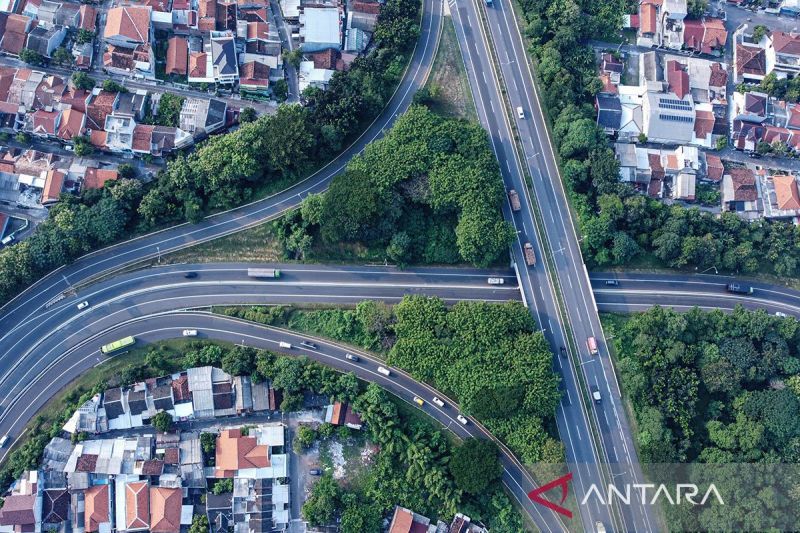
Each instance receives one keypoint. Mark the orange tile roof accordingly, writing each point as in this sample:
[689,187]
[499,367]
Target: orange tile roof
[142,137]
[45,121]
[402,521]
[88,17]
[97,177]
[714,168]
[52,185]
[235,452]
[177,56]
[197,65]
[648,18]
[137,505]
[786,192]
[98,138]
[96,507]
[132,22]
[71,124]
[165,510]
[257,30]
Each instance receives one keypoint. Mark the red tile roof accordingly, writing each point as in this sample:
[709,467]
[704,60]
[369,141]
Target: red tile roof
[142,137]
[714,168]
[18,510]
[98,138]
[744,184]
[131,22]
[714,36]
[254,73]
[257,30]
[718,76]
[137,505]
[678,79]
[71,125]
[177,56]
[703,124]
[172,456]
[236,452]
[96,507]
[97,177]
[786,192]
[750,60]
[197,65]
[88,18]
[373,8]
[153,467]
[45,121]
[693,33]
[53,184]
[647,16]
[165,510]
[180,389]
[786,43]
[99,108]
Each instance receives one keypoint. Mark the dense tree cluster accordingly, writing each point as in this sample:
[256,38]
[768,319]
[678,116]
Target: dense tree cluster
[429,191]
[618,223]
[490,359]
[225,170]
[712,387]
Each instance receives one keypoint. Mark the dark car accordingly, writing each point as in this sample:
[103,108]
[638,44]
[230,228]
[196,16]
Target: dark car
[309,345]
[190,275]
[612,283]
[315,472]
[754,155]
[563,352]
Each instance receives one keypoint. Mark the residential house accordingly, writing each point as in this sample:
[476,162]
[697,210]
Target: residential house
[740,192]
[406,521]
[15,34]
[781,196]
[254,77]
[55,508]
[342,414]
[785,49]
[668,118]
[101,105]
[219,510]
[750,61]
[707,35]
[217,63]
[177,56]
[45,40]
[53,185]
[202,116]
[310,76]
[71,125]
[609,112]
[654,171]
[137,506]
[320,28]
[662,23]
[97,509]
[128,26]
[20,512]
[165,510]
[714,168]
[132,104]
[88,18]
[43,123]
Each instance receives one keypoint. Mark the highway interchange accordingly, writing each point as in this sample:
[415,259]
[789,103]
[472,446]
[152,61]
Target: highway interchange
[45,342]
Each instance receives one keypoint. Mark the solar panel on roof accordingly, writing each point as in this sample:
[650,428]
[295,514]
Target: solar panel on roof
[671,103]
[675,118]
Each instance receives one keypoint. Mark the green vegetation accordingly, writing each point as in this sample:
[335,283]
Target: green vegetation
[714,388]
[31,57]
[221,486]
[61,56]
[169,110]
[82,145]
[248,114]
[475,465]
[113,87]
[84,36]
[83,81]
[199,524]
[429,191]
[162,421]
[487,356]
[447,91]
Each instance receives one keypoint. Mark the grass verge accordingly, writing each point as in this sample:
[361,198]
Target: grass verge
[449,90]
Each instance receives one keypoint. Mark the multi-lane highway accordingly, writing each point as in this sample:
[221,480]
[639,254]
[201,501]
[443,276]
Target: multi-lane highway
[177,237]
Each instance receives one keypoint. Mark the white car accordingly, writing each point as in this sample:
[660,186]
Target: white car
[437,401]
[496,281]
[462,419]
[190,333]
[782,315]
[83,305]
[285,345]
[384,371]
[520,113]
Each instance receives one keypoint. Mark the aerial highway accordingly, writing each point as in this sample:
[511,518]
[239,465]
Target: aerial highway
[174,238]
[50,348]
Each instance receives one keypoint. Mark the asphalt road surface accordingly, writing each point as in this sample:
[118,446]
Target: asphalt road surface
[151,246]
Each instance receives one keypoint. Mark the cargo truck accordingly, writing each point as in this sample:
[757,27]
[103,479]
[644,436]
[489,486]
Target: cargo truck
[530,257]
[513,197]
[263,272]
[591,343]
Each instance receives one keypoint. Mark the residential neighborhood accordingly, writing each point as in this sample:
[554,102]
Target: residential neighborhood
[691,95]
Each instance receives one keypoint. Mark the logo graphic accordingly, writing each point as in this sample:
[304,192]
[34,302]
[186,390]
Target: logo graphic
[563,482]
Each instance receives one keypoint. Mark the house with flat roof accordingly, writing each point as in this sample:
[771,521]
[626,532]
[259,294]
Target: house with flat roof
[320,28]
[781,196]
[45,40]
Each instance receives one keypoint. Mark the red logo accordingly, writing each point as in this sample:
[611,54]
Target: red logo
[563,482]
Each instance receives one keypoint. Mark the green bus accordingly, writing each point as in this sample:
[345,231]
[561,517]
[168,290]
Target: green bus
[118,345]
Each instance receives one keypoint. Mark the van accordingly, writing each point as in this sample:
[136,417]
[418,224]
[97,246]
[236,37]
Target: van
[496,281]
[190,333]
[520,113]
[462,419]
[384,371]
[438,402]
[419,401]
[285,345]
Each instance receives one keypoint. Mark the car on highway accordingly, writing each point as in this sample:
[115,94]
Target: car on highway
[351,357]
[437,401]
[83,305]
[563,351]
[595,394]
[462,419]
[591,345]
[190,275]
[599,527]
[419,401]
[384,371]
[3,441]
[315,472]
[190,333]
[520,113]
[286,345]
[780,314]
[612,283]
[496,281]
[310,345]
